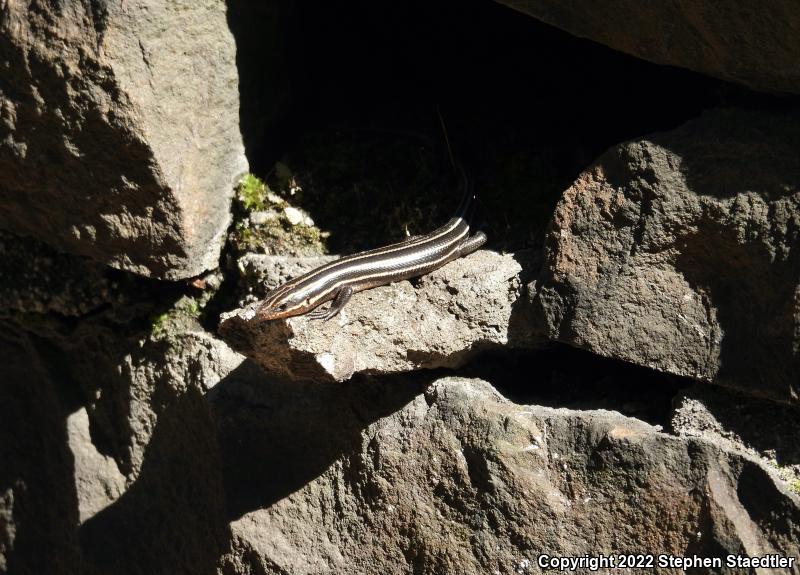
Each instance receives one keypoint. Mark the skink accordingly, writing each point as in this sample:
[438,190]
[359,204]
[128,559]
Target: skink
[340,279]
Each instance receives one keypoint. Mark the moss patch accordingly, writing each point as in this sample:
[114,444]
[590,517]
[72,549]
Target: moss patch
[252,193]
[185,313]
[266,222]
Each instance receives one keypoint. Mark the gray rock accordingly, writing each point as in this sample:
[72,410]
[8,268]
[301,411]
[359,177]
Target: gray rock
[747,44]
[109,148]
[38,507]
[294,215]
[151,414]
[98,481]
[461,480]
[227,470]
[449,316]
[110,461]
[260,218]
[133,381]
[680,252]
[759,427]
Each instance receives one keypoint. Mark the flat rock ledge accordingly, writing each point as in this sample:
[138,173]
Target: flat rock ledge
[447,316]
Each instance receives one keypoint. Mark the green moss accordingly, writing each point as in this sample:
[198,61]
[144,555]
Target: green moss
[186,311]
[191,308]
[159,325]
[311,235]
[252,193]
[274,234]
[789,474]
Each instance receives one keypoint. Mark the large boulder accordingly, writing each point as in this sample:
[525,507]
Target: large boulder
[748,43]
[461,480]
[119,130]
[680,252]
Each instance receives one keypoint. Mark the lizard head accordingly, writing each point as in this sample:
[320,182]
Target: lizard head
[281,303]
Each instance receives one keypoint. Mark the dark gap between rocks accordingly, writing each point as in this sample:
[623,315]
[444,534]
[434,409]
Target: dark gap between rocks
[527,107]
[563,376]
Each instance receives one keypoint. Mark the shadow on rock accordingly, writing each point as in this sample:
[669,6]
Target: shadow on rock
[763,426]
[777,516]
[171,519]
[743,254]
[38,500]
[276,437]
[526,326]
[752,295]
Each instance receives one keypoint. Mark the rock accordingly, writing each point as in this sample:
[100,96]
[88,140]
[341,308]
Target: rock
[162,455]
[744,44]
[449,316]
[679,252]
[38,503]
[294,215]
[38,279]
[109,148]
[759,427]
[462,480]
[110,460]
[98,481]
[132,383]
[171,517]
[261,218]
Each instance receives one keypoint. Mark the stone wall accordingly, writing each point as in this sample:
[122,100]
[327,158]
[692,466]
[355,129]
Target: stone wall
[615,372]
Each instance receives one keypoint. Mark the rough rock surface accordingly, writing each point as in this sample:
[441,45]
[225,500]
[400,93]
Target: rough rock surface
[111,462]
[98,481]
[108,148]
[38,499]
[38,279]
[187,458]
[132,382]
[758,426]
[152,416]
[460,480]
[469,305]
[752,44]
[681,252]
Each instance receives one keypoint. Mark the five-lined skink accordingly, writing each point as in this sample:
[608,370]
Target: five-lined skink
[340,279]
